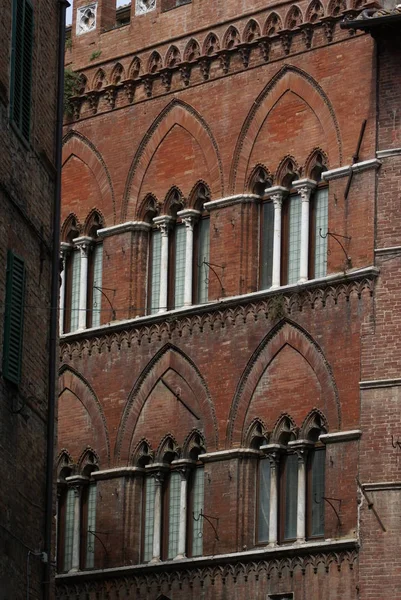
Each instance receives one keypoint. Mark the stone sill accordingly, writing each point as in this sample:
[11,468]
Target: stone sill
[265,553]
[221,304]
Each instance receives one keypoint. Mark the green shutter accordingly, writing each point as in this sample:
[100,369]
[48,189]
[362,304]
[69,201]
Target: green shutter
[13,318]
[21,66]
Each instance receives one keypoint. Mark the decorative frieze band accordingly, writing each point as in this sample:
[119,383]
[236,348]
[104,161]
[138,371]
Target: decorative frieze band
[267,304]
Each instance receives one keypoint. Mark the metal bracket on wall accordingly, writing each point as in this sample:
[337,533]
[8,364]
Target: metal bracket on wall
[209,519]
[335,236]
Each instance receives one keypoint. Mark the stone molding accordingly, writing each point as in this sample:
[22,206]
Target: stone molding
[388,153]
[340,436]
[379,383]
[345,171]
[382,486]
[118,472]
[123,228]
[228,454]
[231,201]
[260,305]
[224,568]
[388,250]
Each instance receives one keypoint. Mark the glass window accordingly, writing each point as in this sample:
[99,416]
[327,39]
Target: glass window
[179,265]
[266,250]
[68,528]
[321,213]
[294,238]
[173,509]
[155,270]
[203,259]
[316,492]
[95,283]
[197,491]
[149,509]
[90,526]
[290,496]
[264,500]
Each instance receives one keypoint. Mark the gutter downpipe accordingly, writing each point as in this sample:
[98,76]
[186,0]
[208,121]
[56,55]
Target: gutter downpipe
[54,300]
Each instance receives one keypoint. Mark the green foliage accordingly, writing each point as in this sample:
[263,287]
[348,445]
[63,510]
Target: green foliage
[95,54]
[71,88]
[68,43]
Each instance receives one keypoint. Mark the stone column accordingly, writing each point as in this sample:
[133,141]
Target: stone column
[301,449]
[77,529]
[304,188]
[273,454]
[64,250]
[277,194]
[182,533]
[84,244]
[157,524]
[164,223]
[189,217]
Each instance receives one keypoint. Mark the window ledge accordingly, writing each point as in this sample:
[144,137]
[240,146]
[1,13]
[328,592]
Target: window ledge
[265,553]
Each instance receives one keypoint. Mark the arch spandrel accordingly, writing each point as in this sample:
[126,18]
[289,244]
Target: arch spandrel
[72,384]
[171,368]
[299,82]
[175,113]
[286,337]
[77,145]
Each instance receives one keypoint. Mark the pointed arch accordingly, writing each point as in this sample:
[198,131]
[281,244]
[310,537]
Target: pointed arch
[251,31]
[294,17]
[173,201]
[273,24]
[314,12]
[284,333]
[175,113]
[173,57]
[168,357]
[192,50]
[155,62]
[135,68]
[74,382]
[99,80]
[211,44]
[231,38]
[93,221]
[76,144]
[71,228]
[117,74]
[293,79]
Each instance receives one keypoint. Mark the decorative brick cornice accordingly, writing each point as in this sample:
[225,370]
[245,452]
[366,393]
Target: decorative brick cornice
[222,569]
[222,313]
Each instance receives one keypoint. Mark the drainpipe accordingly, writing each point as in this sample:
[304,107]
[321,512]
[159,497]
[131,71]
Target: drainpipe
[53,341]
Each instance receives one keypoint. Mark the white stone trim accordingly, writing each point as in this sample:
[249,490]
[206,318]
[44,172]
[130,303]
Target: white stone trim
[379,383]
[340,436]
[381,486]
[118,472]
[228,454]
[123,228]
[389,152]
[372,163]
[222,302]
[231,200]
[326,545]
[388,250]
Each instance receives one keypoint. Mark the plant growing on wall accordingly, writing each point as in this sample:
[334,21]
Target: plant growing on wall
[71,88]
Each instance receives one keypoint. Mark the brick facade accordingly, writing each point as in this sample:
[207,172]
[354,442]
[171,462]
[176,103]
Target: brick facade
[27,188]
[192,94]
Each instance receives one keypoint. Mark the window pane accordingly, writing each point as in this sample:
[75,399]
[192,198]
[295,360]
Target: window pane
[97,283]
[203,256]
[173,514]
[321,224]
[155,271]
[179,270]
[149,519]
[198,495]
[75,286]
[267,245]
[317,492]
[291,497]
[264,500]
[294,238]
[90,538]
[69,529]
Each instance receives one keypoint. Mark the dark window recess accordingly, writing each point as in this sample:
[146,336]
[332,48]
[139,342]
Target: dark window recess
[169,4]
[289,596]
[21,66]
[13,318]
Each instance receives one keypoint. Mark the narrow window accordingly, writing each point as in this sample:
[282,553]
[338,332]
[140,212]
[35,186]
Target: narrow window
[320,218]
[14,318]
[264,500]
[88,526]
[75,282]
[149,511]
[203,258]
[173,510]
[289,502]
[155,270]
[266,249]
[68,528]
[94,286]
[196,507]
[316,479]
[21,66]
[179,264]
[294,238]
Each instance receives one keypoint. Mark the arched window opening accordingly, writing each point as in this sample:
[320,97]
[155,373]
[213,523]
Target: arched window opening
[319,216]
[201,253]
[95,271]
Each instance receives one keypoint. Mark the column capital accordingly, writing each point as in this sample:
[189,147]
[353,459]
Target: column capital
[304,187]
[273,452]
[158,471]
[83,243]
[300,448]
[65,248]
[76,482]
[183,466]
[189,216]
[164,223]
[276,193]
